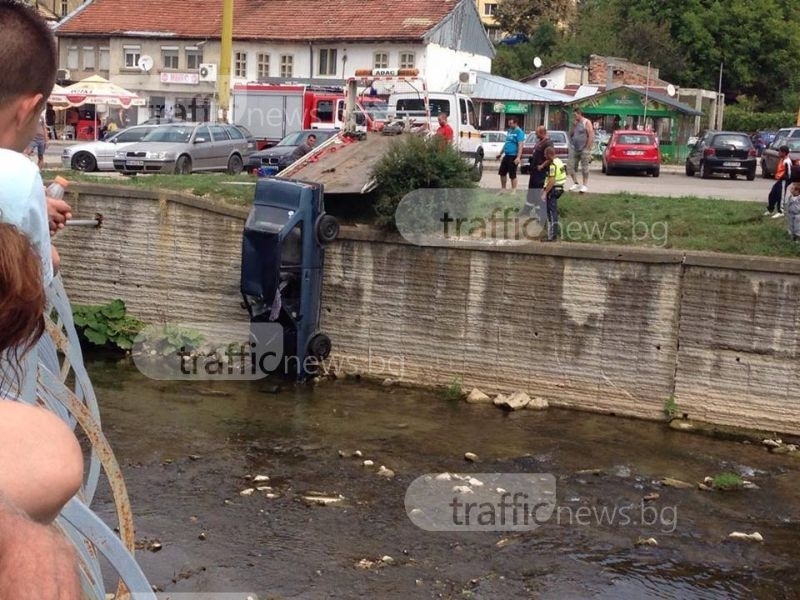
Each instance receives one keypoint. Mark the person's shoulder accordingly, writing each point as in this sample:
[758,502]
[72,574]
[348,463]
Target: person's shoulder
[17,164]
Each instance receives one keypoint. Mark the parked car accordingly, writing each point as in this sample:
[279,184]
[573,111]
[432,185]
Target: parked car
[280,155]
[761,140]
[184,148]
[99,155]
[492,142]
[789,136]
[514,39]
[730,152]
[630,150]
[560,144]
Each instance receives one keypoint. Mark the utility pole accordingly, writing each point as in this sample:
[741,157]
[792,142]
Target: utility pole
[720,100]
[225,52]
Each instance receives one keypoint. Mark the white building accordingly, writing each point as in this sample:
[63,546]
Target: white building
[276,41]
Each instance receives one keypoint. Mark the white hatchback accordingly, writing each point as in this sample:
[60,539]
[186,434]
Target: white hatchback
[492,143]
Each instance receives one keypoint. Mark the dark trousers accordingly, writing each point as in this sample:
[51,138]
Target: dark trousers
[552,212]
[534,205]
[775,198]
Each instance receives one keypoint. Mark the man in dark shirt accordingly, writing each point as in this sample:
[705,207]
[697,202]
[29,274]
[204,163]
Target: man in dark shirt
[305,147]
[538,171]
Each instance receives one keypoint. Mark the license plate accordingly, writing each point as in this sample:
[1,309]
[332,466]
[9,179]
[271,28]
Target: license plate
[635,152]
[135,163]
[731,164]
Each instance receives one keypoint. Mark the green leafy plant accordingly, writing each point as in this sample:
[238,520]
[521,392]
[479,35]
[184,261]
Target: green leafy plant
[453,391]
[168,339]
[670,408]
[108,325]
[727,481]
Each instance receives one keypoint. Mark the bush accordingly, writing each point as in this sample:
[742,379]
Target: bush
[107,326]
[736,119]
[416,163]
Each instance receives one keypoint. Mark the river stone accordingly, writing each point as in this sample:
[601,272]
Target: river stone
[470,456]
[676,483]
[515,401]
[384,472]
[747,537]
[478,397]
[537,403]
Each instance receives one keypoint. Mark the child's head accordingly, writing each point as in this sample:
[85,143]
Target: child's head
[783,150]
[550,153]
[794,190]
[27,72]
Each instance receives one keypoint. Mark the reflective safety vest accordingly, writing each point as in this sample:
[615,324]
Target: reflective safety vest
[557,171]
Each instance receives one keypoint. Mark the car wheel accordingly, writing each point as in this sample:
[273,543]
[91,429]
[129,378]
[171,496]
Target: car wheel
[235,164]
[326,228]
[319,346]
[603,167]
[656,172]
[477,167]
[83,161]
[689,169]
[764,173]
[751,175]
[732,175]
[609,170]
[705,172]
[183,166]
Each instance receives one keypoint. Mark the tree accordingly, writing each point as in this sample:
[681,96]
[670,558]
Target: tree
[525,15]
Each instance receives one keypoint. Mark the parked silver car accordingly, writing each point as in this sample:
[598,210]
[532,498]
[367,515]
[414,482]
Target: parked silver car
[99,155]
[184,148]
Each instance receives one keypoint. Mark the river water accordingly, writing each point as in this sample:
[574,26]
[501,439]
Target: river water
[186,450]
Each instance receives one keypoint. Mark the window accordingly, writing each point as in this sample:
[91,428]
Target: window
[407,60]
[240,64]
[169,57]
[287,65]
[462,103]
[324,113]
[381,60]
[132,135]
[489,9]
[262,65]
[327,61]
[64,7]
[72,58]
[220,133]
[234,132]
[194,56]
[105,59]
[131,56]
[88,58]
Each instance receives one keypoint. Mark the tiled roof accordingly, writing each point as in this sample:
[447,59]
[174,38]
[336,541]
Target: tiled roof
[280,20]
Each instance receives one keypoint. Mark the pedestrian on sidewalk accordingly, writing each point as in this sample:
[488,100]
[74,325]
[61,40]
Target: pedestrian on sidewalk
[581,140]
[553,189]
[511,155]
[783,177]
[793,212]
[538,175]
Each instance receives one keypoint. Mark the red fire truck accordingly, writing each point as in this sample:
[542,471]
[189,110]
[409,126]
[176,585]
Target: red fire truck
[270,111]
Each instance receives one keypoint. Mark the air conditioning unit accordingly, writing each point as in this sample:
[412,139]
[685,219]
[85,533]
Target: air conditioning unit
[208,72]
[468,77]
[63,75]
[546,83]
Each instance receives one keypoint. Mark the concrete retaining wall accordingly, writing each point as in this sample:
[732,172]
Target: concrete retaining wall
[598,328]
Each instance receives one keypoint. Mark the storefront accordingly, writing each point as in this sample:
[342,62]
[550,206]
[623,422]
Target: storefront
[633,108]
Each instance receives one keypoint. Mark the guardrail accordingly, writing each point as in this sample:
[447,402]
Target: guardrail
[47,369]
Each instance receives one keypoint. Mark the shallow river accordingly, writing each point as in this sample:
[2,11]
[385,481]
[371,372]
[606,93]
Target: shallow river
[186,450]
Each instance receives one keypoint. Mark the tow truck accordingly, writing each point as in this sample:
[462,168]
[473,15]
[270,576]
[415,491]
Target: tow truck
[344,163]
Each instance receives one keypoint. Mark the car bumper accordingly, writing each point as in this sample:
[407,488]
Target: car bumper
[144,166]
[66,162]
[632,165]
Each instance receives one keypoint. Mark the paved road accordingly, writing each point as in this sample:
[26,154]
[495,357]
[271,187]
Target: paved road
[672,182]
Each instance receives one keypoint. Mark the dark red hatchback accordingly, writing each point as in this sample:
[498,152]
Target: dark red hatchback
[631,150]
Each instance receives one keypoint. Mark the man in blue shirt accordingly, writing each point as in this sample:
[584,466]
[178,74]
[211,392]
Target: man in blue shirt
[511,156]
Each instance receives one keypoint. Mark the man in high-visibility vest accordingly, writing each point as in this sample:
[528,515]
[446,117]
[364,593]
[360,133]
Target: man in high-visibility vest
[553,188]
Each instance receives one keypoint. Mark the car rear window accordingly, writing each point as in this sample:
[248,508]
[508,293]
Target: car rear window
[558,137]
[737,141]
[634,140]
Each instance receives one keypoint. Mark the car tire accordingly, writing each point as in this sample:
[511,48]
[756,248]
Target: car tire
[656,172]
[609,170]
[764,173]
[326,228]
[751,175]
[477,167]
[603,167]
[705,172]
[183,166]
[319,346]
[732,175]
[84,161]
[689,169]
[235,164]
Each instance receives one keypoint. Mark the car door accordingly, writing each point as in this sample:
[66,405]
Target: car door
[223,146]
[202,149]
[126,137]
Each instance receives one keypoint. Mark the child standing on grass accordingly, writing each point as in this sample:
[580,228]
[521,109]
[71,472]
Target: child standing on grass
[793,212]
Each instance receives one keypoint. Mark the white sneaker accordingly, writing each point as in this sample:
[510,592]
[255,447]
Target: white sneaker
[767,214]
[583,189]
[575,187]
[777,215]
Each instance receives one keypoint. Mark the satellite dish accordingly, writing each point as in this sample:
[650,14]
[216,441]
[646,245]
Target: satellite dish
[145,63]
[537,62]
[671,90]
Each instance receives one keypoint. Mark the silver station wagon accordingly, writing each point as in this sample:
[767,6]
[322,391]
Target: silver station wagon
[184,148]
